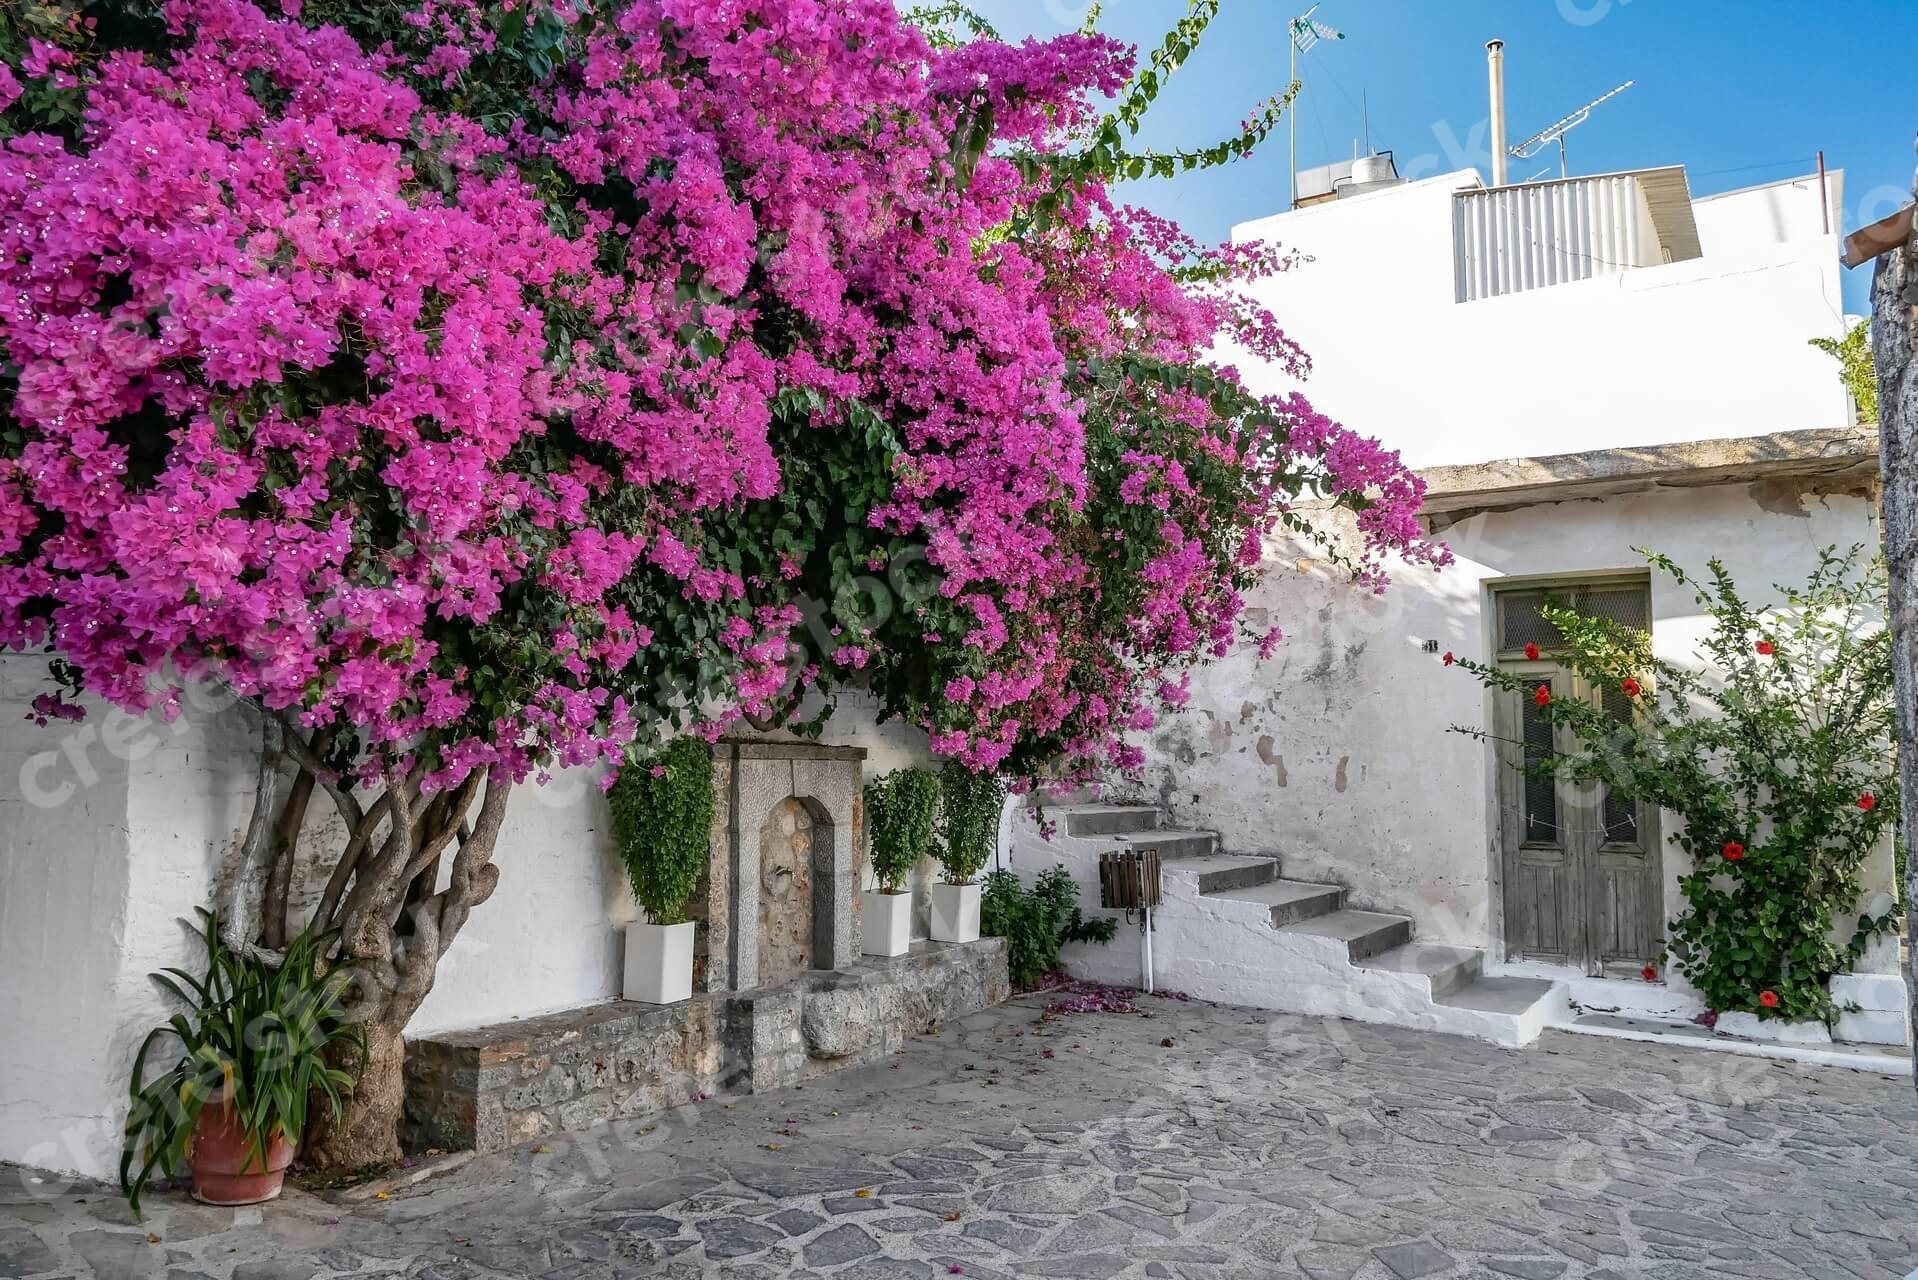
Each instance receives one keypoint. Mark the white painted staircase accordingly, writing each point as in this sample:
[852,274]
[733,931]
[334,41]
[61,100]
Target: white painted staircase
[1231,928]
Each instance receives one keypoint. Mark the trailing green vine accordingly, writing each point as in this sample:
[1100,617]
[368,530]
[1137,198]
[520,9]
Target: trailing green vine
[662,822]
[1778,759]
[899,814]
[1856,367]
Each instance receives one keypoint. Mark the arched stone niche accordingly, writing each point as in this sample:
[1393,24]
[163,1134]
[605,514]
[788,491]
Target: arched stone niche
[782,878]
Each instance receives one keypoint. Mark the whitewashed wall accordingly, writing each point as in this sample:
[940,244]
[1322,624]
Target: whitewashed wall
[114,830]
[1771,213]
[1628,359]
[1337,753]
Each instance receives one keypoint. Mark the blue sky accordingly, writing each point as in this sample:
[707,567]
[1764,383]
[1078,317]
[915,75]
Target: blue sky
[1741,92]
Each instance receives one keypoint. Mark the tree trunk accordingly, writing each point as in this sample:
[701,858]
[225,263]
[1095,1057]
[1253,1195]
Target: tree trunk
[383,901]
[1894,304]
[369,1132]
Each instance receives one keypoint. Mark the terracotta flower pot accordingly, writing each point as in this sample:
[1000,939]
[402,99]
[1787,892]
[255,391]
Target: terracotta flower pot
[226,1169]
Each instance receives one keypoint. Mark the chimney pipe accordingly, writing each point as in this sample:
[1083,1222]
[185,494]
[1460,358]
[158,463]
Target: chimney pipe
[1495,64]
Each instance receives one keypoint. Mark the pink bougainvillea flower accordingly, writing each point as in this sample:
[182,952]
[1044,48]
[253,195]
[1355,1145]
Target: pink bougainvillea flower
[467,436]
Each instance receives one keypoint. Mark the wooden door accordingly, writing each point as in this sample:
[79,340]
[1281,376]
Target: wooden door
[1581,865]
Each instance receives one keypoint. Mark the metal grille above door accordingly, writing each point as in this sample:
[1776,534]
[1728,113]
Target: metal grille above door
[1520,623]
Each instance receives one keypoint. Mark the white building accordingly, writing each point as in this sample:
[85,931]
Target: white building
[1668,404]
[1579,368]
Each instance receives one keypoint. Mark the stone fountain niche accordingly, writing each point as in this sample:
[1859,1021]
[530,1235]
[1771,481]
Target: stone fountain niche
[783,876]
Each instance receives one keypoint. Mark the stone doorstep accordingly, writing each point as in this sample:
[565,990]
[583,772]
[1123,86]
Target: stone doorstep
[487,1088]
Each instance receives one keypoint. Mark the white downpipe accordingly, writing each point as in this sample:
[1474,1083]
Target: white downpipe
[1495,65]
[1145,951]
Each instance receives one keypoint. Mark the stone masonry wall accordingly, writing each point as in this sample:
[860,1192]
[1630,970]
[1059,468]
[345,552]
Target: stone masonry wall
[492,1087]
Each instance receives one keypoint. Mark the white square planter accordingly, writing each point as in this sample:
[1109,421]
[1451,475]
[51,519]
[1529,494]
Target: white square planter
[885,921]
[659,963]
[955,913]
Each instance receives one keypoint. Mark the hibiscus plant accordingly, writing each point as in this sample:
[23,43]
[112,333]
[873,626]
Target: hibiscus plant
[1774,752]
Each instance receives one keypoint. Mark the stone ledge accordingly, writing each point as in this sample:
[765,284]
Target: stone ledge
[486,1088]
[1837,455]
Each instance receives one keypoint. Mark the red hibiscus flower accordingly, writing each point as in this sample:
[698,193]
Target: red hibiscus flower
[1542,695]
[1769,999]
[1531,651]
[1733,851]
[1764,648]
[1868,802]
[1448,657]
[1630,687]
[1651,973]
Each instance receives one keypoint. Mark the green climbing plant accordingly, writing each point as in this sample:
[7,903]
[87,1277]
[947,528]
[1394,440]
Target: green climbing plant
[662,823]
[900,807]
[1855,367]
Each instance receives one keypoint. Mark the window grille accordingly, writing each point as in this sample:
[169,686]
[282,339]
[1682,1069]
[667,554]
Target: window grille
[1521,622]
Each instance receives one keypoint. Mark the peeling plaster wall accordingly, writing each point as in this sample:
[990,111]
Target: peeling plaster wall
[1336,753]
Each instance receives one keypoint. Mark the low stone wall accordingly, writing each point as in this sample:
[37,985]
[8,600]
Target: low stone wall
[491,1087]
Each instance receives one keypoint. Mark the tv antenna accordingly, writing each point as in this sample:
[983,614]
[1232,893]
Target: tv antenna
[1556,132]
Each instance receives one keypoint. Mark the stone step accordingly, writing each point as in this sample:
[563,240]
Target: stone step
[1365,933]
[1223,871]
[1498,995]
[1290,901]
[1174,844]
[1448,968]
[1110,819]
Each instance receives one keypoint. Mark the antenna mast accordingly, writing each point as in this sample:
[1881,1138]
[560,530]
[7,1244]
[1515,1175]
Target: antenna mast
[1556,132]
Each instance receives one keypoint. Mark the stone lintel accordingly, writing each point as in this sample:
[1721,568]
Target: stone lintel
[754,749]
[1839,456]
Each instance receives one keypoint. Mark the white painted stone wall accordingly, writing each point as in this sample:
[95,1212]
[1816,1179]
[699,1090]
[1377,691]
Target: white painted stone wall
[1618,361]
[1336,753]
[115,829]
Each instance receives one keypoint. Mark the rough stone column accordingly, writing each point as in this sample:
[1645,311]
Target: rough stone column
[833,783]
[713,958]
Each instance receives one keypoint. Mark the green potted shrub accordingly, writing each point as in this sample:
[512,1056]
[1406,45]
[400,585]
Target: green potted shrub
[260,1042]
[662,822]
[899,814]
[1038,922]
[969,808]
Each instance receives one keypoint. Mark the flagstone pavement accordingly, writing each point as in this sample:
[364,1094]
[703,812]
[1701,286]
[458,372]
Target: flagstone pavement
[1183,1141]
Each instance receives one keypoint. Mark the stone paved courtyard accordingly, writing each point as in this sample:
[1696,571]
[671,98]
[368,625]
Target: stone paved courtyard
[1184,1141]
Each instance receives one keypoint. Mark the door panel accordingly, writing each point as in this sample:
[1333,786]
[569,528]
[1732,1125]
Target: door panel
[1581,879]
[1540,897]
[1624,860]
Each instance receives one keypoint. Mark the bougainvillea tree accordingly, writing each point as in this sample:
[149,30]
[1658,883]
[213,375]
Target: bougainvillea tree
[475,387]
